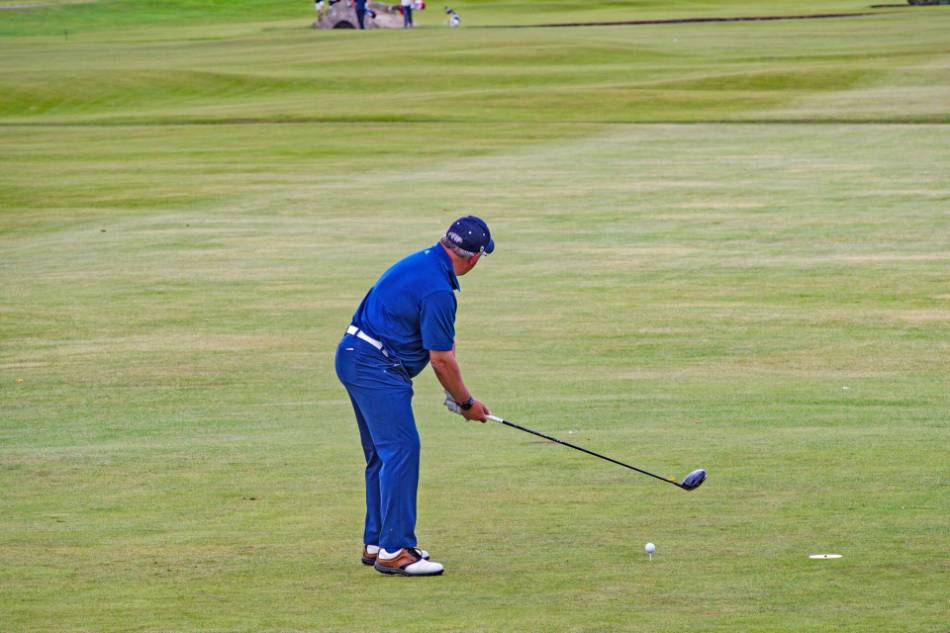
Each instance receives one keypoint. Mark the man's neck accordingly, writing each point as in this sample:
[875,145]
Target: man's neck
[452,257]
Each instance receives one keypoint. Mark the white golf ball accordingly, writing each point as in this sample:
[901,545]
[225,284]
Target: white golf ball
[650,548]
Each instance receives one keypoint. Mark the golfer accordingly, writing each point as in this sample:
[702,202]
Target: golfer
[406,321]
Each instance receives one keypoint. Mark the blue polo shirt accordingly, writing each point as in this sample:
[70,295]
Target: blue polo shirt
[411,309]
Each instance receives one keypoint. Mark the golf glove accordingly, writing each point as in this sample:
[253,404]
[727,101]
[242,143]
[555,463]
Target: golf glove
[451,404]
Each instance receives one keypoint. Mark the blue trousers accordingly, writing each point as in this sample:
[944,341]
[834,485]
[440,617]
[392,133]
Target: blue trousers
[381,393]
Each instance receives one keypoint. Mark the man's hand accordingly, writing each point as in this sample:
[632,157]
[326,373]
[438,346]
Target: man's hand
[478,410]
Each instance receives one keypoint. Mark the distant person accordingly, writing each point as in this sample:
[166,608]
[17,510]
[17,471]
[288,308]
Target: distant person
[406,13]
[360,13]
[454,18]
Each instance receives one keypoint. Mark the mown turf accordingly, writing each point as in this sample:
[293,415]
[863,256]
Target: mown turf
[60,17]
[190,213]
[670,73]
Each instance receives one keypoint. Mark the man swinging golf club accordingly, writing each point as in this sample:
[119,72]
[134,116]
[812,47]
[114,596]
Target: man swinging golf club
[405,321]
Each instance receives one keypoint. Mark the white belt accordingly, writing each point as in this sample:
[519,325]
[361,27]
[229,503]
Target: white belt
[360,334]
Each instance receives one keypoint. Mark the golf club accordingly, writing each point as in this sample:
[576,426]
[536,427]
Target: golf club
[692,481]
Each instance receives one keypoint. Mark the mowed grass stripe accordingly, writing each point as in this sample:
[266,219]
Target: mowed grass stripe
[143,18]
[678,73]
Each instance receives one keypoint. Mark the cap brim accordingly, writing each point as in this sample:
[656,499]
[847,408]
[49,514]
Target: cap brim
[490,247]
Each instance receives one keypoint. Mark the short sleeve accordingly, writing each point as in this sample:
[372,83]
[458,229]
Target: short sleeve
[438,321]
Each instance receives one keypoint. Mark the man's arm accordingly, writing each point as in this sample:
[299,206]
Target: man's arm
[447,370]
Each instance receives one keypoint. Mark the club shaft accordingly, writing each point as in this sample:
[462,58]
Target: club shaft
[581,449]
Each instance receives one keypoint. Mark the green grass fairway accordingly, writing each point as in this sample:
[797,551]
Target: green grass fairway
[719,245]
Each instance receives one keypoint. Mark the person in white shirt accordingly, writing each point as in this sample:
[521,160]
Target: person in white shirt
[406,13]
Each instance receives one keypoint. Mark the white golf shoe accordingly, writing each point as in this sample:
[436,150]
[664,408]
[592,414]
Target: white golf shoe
[406,562]
[370,552]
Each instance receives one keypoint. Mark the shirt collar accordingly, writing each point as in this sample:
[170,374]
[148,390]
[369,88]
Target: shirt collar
[446,262]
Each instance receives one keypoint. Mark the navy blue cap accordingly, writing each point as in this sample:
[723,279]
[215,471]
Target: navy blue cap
[471,234]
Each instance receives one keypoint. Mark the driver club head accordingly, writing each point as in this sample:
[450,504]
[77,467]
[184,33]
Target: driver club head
[694,480]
